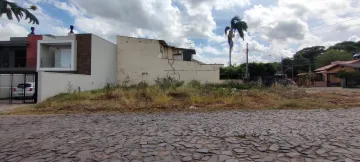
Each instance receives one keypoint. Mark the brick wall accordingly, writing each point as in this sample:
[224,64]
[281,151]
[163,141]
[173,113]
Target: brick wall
[83,53]
[31,50]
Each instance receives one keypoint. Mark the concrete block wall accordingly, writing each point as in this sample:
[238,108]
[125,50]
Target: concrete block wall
[138,60]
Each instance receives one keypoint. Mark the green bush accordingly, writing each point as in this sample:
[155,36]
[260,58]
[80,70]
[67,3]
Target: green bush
[194,84]
[168,83]
[348,74]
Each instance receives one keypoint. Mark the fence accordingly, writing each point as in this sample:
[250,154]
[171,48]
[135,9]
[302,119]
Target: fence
[10,81]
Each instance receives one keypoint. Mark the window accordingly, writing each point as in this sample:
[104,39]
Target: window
[24,85]
[57,55]
[20,58]
[319,77]
[63,58]
[4,59]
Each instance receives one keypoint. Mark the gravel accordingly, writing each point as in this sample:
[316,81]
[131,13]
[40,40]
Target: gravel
[283,135]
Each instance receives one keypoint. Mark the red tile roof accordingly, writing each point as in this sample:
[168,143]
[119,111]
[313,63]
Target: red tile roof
[335,63]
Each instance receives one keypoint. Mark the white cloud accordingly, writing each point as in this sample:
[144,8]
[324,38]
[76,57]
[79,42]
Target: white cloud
[354,38]
[48,24]
[12,30]
[71,8]
[212,50]
[276,28]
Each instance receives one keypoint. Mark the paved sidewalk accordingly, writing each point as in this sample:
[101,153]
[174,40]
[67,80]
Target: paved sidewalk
[298,135]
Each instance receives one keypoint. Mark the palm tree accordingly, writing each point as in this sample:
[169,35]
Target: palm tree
[236,25]
[9,8]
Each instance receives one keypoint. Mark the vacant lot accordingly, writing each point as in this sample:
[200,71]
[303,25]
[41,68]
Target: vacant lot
[268,135]
[194,98]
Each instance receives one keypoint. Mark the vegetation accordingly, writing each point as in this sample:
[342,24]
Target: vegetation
[303,60]
[347,74]
[10,8]
[310,58]
[255,69]
[236,24]
[168,82]
[347,46]
[333,55]
[192,96]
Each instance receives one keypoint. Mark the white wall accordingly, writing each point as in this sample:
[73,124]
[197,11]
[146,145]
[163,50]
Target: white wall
[51,84]
[103,61]
[103,70]
[139,56]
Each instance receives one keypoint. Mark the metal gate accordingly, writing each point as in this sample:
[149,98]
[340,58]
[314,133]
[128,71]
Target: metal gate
[16,87]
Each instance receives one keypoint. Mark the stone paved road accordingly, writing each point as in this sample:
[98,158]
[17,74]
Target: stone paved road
[315,135]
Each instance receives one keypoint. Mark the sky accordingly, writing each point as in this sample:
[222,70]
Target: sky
[277,28]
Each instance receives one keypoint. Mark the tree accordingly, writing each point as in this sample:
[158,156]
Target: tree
[232,72]
[270,69]
[255,70]
[10,8]
[289,71]
[311,52]
[332,55]
[348,46]
[348,74]
[236,25]
[301,64]
[308,56]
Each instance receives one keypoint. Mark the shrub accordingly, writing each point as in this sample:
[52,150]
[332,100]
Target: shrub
[222,92]
[168,82]
[194,84]
[107,89]
[233,84]
[143,96]
[142,85]
[178,95]
[348,74]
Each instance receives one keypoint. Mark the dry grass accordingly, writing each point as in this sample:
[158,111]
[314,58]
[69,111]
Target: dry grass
[154,99]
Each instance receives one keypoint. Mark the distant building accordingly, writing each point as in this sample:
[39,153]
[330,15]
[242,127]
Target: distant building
[327,75]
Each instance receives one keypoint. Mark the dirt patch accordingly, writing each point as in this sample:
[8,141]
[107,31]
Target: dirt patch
[8,107]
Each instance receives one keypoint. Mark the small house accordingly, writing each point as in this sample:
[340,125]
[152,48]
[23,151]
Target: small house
[327,76]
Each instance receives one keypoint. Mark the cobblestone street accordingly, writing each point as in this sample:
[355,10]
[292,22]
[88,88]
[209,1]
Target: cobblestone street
[274,135]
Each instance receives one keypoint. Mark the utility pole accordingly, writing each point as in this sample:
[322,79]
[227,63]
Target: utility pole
[282,66]
[309,73]
[292,69]
[230,57]
[247,61]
